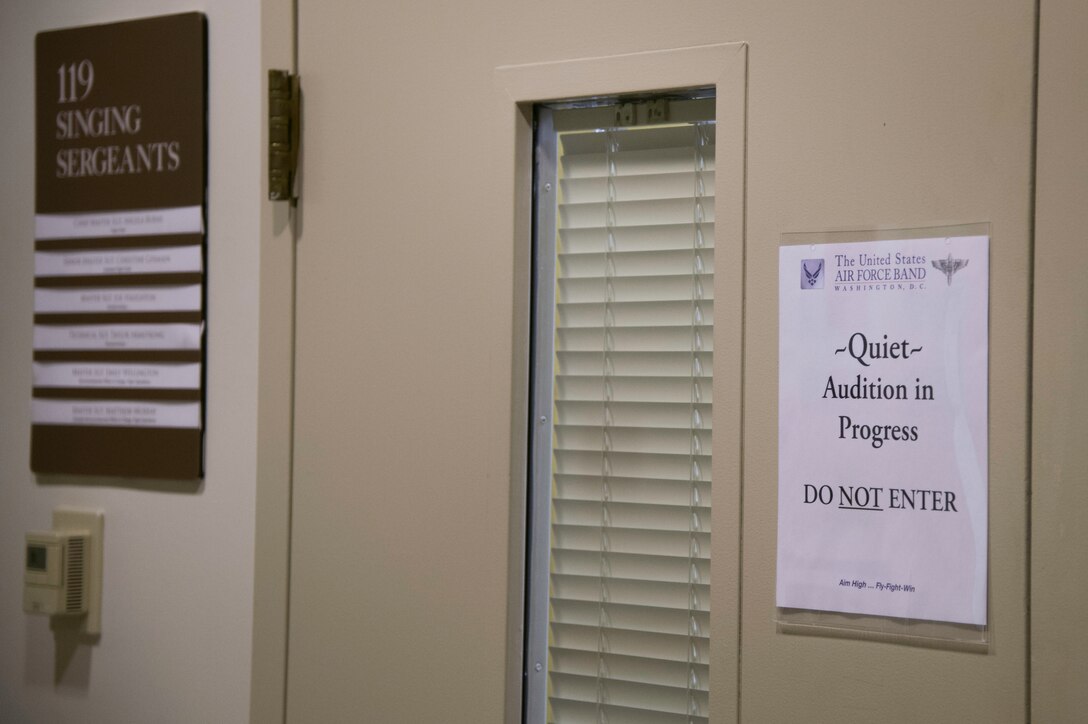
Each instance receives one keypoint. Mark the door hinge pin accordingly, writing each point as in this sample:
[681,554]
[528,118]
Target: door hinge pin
[284,134]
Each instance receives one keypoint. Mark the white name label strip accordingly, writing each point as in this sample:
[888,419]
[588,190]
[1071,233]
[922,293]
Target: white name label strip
[142,222]
[116,336]
[109,375]
[164,260]
[115,413]
[118,299]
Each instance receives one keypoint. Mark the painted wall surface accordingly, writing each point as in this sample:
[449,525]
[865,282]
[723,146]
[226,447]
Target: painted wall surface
[411,325]
[890,115]
[1059,496]
[178,573]
[860,115]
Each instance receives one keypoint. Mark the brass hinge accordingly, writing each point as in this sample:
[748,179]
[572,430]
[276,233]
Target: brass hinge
[284,100]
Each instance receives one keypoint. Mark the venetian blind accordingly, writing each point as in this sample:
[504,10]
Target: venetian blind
[629,580]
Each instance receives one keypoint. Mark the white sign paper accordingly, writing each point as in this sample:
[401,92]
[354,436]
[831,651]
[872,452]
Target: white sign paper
[159,376]
[171,298]
[141,222]
[115,413]
[882,497]
[158,260]
[117,336]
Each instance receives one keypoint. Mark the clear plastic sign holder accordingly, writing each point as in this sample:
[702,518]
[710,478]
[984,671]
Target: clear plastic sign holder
[862,626]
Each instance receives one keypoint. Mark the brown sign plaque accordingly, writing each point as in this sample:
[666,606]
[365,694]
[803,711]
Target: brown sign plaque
[119,294]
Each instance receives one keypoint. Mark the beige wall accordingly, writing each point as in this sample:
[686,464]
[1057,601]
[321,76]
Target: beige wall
[406,479]
[411,326]
[1059,496]
[889,115]
[176,642]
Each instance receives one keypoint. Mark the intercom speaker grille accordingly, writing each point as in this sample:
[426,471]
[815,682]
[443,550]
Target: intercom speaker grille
[75,568]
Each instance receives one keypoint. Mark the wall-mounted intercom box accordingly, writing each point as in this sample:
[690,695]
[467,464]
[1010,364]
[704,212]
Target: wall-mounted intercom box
[63,571]
[56,573]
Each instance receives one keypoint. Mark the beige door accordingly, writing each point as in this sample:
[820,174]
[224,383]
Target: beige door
[412,314]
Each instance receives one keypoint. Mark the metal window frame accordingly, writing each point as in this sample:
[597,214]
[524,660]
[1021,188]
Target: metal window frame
[541,376]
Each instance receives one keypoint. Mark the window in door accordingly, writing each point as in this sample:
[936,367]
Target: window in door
[618,620]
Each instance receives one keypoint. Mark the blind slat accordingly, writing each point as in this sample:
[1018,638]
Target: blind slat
[677,185]
[630,163]
[577,712]
[631,389]
[630,490]
[665,542]
[664,415]
[621,590]
[624,364]
[648,644]
[668,312]
[630,439]
[632,213]
[628,465]
[632,515]
[634,339]
[633,289]
[634,139]
[656,237]
[658,262]
[628,694]
[631,617]
[632,669]
[663,569]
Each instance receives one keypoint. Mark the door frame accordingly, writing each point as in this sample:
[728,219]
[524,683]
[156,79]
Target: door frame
[723,66]
[275,399]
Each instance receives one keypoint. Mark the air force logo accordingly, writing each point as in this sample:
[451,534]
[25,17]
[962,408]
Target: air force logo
[949,266]
[812,273]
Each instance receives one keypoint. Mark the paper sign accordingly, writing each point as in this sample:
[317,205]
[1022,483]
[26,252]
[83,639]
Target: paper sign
[117,336]
[882,500]
[159,260]
[115,413]
[143,222]
[159,376]
[118,299]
